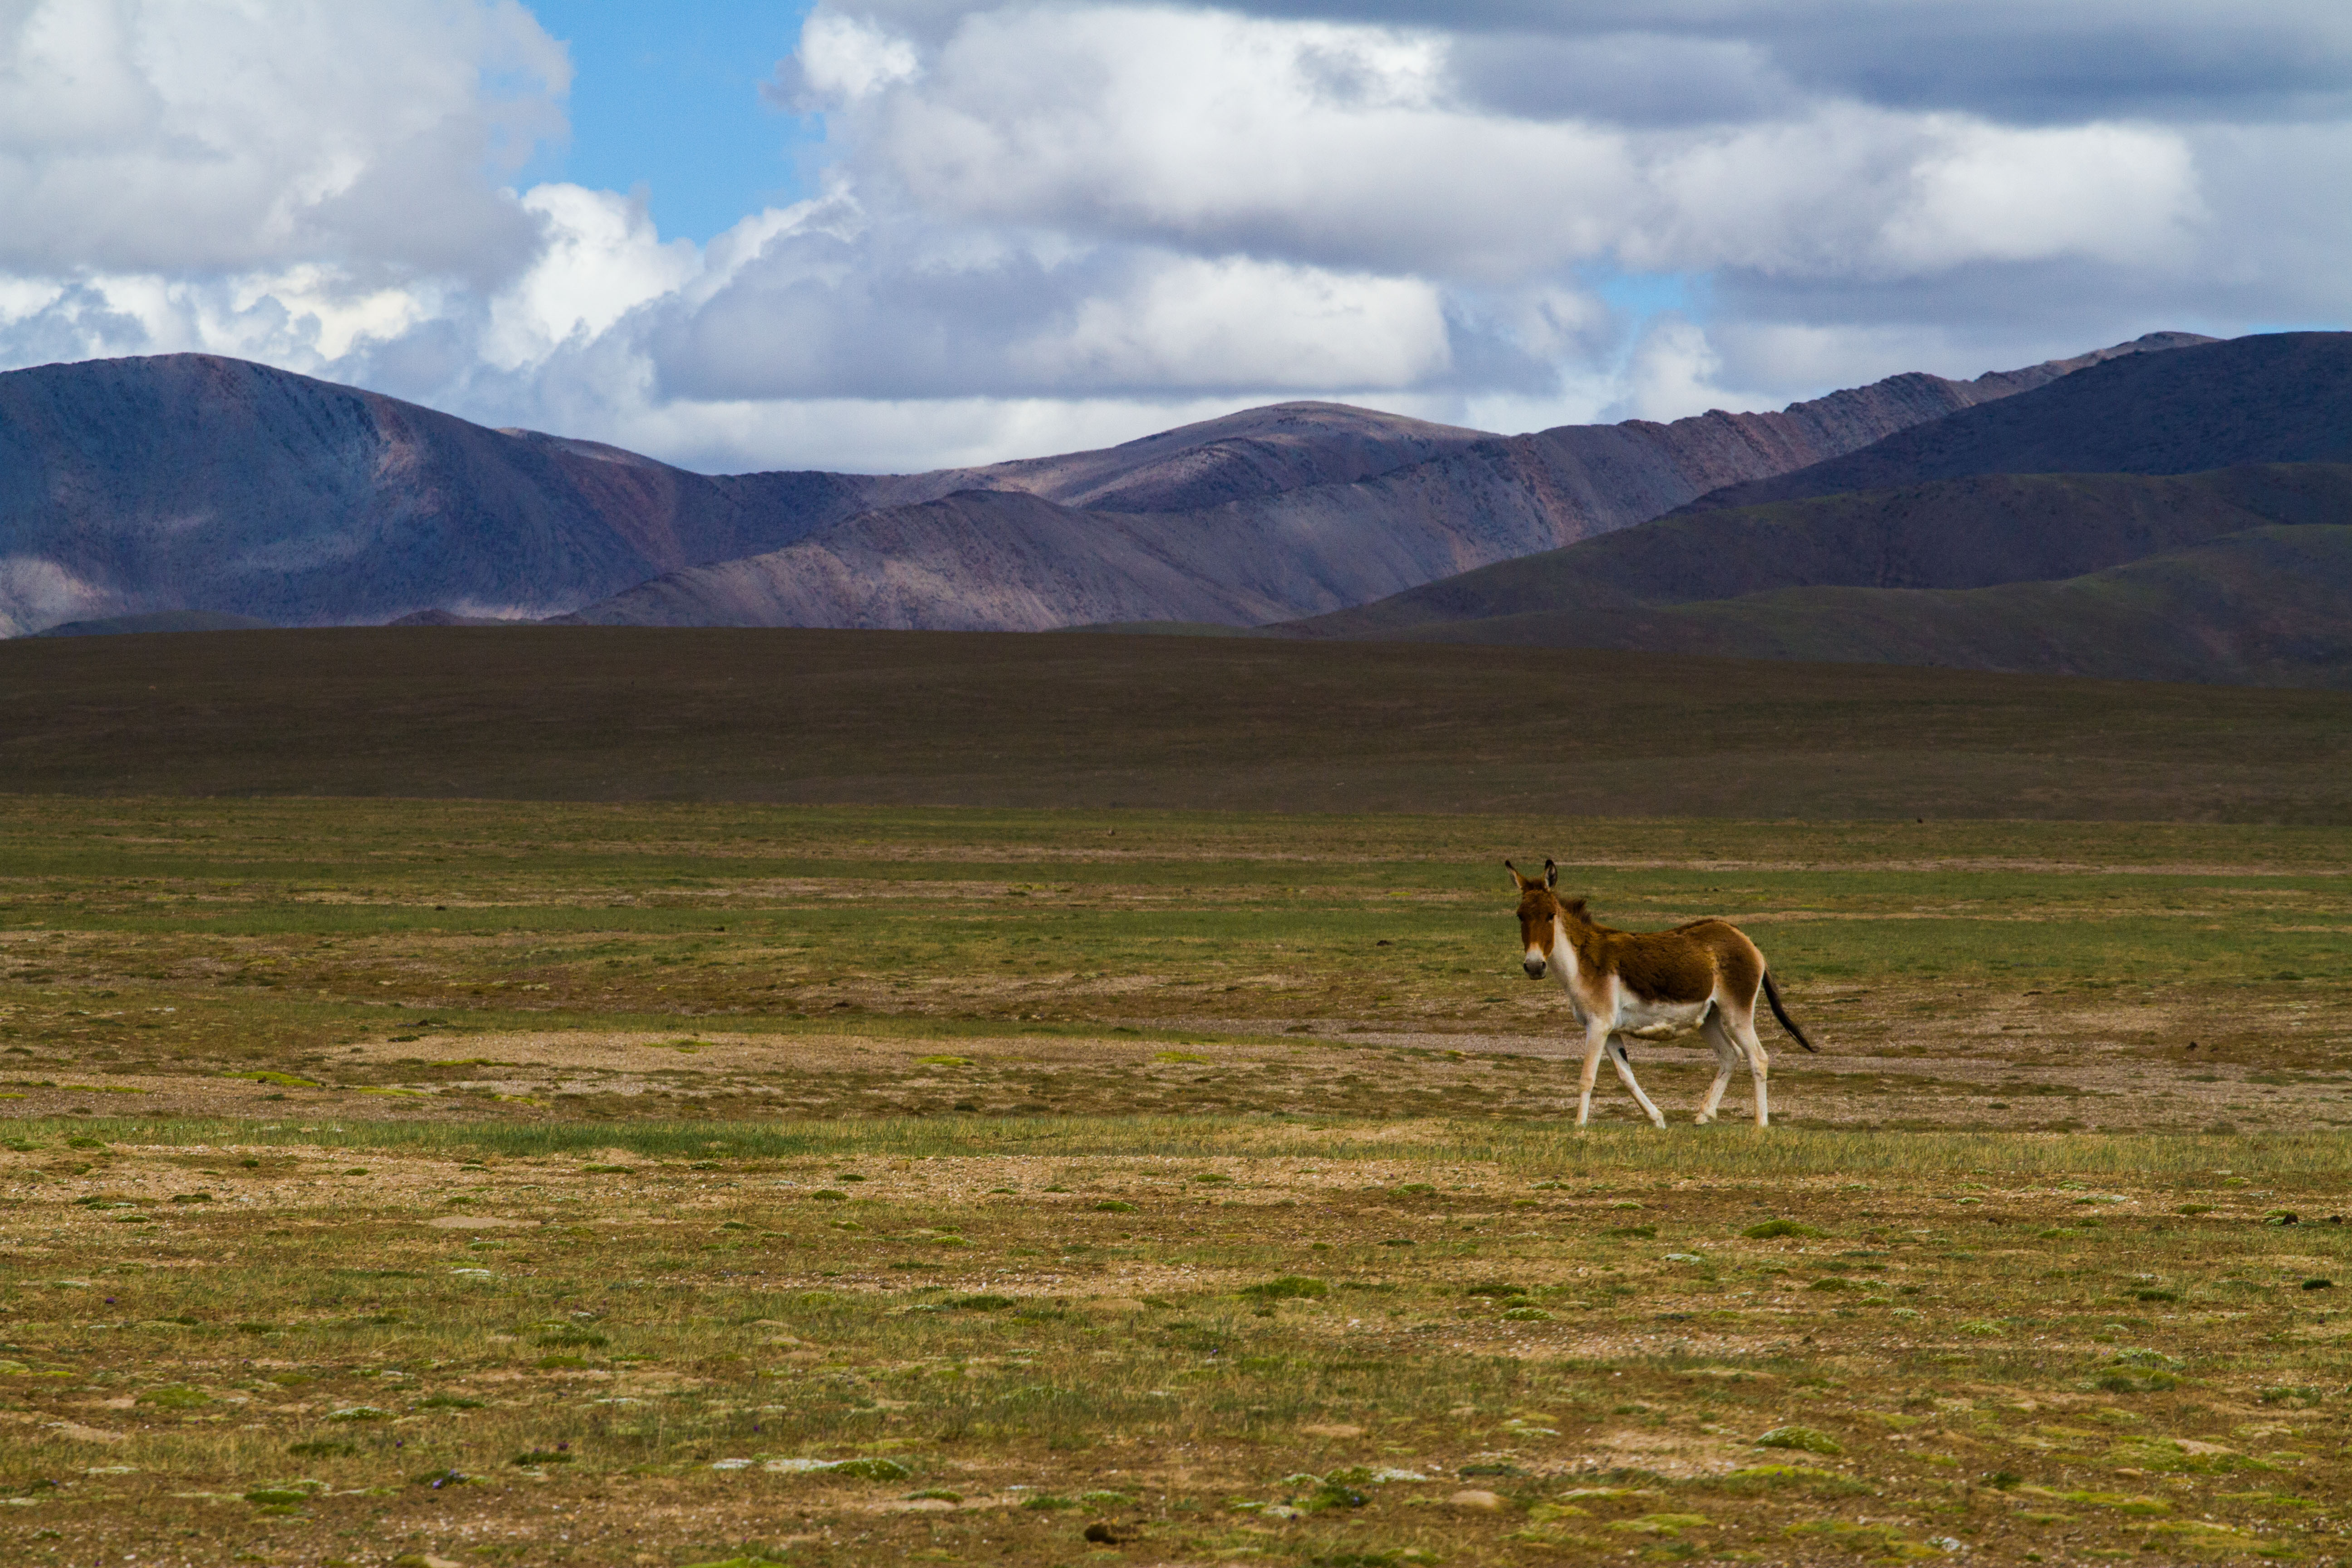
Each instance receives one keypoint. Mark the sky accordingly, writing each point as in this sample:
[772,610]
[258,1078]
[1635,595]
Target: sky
[915,233]
[666,101]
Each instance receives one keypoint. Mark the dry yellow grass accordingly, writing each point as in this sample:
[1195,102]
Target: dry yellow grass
[1197,1181]
[1203,1340]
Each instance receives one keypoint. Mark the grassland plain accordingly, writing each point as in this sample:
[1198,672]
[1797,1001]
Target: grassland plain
[471,1182]
[1098,721]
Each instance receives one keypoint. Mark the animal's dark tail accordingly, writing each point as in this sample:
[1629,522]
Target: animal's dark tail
[1772,994]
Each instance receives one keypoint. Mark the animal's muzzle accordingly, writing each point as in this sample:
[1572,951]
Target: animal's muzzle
[1533,965]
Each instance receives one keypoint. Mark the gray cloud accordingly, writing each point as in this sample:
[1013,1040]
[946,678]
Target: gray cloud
[181,139]
[1641,79]
[2027,61]
[1018,328]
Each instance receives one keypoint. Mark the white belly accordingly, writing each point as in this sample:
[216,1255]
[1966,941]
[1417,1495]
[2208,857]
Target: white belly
[1656,1020]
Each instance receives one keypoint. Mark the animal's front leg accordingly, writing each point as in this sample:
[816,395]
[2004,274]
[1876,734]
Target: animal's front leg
[1596,1036]
[1626,1070]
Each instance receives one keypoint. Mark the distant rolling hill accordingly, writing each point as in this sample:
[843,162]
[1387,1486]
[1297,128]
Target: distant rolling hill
[2279,398]
[2239,575]
[161,621]
[189,483]
[2265,607]
[2065,529]
[1953,534]
[2270,606]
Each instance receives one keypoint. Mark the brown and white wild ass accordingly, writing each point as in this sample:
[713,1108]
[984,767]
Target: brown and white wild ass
[1703,975]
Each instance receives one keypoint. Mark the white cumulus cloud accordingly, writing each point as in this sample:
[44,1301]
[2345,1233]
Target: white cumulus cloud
[170,135]
[1044,225]
[2111,193]
[844,60]
[1234,321]
[599,258]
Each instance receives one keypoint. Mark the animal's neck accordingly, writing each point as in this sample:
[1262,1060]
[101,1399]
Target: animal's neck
[1563,952]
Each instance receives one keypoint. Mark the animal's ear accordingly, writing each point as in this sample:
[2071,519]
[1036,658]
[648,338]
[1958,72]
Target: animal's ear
[1518,882]
[1574,907]
[1552,873]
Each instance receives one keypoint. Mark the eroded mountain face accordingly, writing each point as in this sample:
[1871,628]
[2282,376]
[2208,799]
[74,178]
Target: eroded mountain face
[188,482]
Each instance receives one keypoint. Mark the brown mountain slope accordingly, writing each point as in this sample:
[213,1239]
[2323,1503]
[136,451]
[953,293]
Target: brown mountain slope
[162,621]
[195,484]
[2277,398]
[189,482]
[2240,577]
[1288,446]
[1954,533]
[1253,452]
[1273,554]
[975,561]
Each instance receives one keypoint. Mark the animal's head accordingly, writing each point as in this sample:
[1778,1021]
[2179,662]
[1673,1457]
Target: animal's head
[1541,910]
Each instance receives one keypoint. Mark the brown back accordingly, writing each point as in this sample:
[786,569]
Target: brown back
[1657,966]
[1682,965]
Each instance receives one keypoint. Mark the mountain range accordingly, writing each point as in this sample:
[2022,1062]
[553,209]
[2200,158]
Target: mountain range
[190,483]
[2062,531]
[1199,546]
[2175,506]
[2242,575]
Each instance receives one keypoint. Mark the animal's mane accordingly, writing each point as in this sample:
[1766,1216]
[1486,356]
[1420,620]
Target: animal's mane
[1542,895]
[1593,931]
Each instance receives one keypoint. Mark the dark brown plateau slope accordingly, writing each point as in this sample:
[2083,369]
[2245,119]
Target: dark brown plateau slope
[170,621]
[193,483]
[1222,723]
[2269,606]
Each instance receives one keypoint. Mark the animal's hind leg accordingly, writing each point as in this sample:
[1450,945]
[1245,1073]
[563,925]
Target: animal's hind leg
[1726,1057]
[1625,1071]
[1760,1066]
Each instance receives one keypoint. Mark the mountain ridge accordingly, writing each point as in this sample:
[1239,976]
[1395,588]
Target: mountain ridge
[1275,556]
[193,482]
[2122,415]
[1808,568]
[1978,532]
